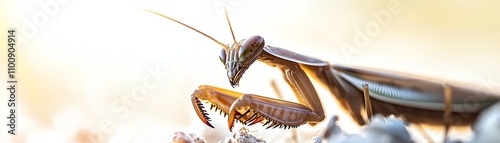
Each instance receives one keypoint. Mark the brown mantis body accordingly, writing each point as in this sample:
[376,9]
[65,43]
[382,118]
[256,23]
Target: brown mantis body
[416,99]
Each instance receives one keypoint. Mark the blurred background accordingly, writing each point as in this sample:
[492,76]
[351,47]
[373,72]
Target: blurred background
[108,71]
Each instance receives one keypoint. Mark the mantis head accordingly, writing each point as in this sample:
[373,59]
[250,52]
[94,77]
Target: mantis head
[240,56]
[237,57]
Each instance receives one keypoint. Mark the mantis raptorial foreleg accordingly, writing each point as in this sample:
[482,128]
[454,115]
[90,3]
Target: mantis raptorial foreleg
[250,109]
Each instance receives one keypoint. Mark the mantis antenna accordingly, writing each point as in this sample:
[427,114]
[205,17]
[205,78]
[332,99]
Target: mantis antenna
[213,39]
[231,28]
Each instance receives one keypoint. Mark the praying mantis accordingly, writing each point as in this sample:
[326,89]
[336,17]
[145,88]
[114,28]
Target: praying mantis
[360,91]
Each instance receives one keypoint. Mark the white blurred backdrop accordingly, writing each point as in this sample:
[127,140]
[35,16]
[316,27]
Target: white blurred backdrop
[109,71]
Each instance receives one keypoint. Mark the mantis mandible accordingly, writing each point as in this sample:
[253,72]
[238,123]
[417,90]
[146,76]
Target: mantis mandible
[418,100]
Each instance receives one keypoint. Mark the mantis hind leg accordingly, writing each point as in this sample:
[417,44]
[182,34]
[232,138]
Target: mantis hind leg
[447,111]
[368,105]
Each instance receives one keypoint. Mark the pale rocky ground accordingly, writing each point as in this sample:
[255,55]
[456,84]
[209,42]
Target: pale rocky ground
[82,71]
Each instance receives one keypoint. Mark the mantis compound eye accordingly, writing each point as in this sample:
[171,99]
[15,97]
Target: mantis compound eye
[222,56]
[251,48]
